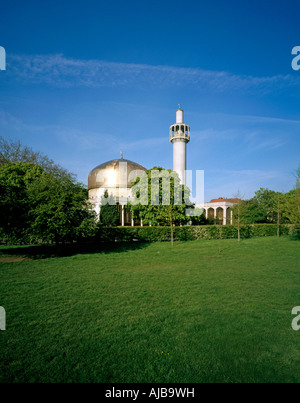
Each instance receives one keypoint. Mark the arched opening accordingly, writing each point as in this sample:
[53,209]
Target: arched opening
[210,214]
[219,216]
[228,215]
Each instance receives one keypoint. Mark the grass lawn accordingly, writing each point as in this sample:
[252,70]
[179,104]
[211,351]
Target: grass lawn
[152,313]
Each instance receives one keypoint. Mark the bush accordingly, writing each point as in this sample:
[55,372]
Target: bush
[185,233]
[190,233]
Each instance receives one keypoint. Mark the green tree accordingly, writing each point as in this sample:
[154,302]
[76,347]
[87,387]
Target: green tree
[291,210]
[160,198]
[279,203]
[48,206]
[15,152]
[109,214]
[15,179]
[267,206]
[267,203]
[237,218]
[199,217]
[237,213]
[59,209]
[292,201]
[251,213]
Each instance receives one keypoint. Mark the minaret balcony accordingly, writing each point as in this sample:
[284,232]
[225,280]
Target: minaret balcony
[180,136]
[179,132]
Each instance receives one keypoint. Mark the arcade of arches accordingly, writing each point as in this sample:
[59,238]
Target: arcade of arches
[219,210]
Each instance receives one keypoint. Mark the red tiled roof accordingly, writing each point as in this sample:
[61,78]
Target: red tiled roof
[221,199]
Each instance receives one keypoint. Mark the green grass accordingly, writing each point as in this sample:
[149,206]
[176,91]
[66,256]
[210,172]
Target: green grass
[152,313]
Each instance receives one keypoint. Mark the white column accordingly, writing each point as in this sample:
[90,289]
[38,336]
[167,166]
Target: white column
[123,216]
[224,215]
[132,222]
[141,222]
[231,217]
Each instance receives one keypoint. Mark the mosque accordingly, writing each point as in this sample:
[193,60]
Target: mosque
[115,177]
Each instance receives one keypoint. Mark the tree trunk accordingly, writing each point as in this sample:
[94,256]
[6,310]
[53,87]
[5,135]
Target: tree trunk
[278,222]
[171,224]
[239,232]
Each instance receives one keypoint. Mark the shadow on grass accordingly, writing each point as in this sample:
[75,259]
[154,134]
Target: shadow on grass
[46,251]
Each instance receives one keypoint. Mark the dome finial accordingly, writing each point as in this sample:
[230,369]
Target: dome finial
[121,154]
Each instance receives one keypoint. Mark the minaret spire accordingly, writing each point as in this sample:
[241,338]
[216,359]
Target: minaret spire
[179,137]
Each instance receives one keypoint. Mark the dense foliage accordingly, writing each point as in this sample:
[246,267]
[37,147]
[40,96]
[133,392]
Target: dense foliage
[41,201]
[109,214]
[159,198]
[14,152]
[268,206]
[38,206]
[193,232]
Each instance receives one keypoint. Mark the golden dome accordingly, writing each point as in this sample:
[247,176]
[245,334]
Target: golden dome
[107,174]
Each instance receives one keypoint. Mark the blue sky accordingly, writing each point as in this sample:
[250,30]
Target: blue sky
[86,79]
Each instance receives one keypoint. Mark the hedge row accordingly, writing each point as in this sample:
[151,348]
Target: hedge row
[189,233]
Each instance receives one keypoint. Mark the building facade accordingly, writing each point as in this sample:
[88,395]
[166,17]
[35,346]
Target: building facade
[116,177]
[219,210]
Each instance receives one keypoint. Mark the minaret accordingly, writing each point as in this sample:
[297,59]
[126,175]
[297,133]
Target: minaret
[179,136]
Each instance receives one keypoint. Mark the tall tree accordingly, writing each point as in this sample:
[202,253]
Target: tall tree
[160,198]
[278,206]
[15,179]
[267,203]
[291,206]
[251,213]
[36,203]
[237,213]
[297,195]
[14,151]
[59,209]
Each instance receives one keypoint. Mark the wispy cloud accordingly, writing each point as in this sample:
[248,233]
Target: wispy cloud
[257,140]
[60,71]
[247,134]
[98,144]
[85,140]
